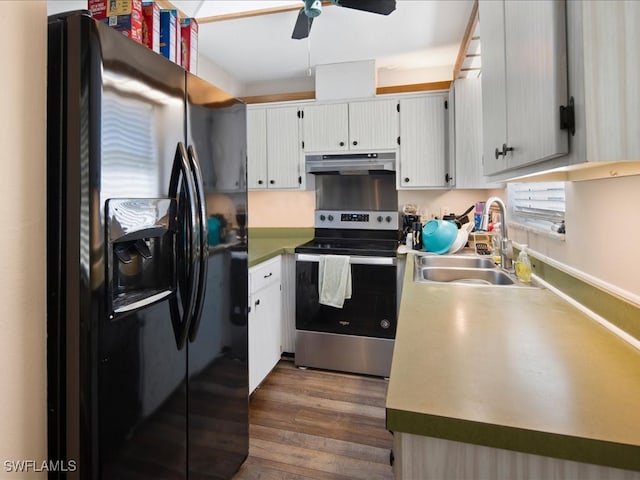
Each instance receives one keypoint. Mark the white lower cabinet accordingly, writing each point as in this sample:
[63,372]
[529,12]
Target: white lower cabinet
[288,324]
[265,300]
[417,456]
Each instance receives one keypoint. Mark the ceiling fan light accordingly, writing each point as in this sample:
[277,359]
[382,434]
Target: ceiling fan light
[312,8]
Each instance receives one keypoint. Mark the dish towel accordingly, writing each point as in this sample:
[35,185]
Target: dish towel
[334,280]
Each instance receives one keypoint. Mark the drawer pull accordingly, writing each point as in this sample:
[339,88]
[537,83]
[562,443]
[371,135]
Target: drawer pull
[267,276]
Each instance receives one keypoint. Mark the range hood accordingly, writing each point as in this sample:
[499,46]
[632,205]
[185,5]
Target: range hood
[351,163]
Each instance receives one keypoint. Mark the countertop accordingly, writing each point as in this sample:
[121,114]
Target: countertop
[266,243]
[514,368]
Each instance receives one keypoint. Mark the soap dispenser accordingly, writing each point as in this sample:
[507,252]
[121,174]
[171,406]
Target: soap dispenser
[523,266]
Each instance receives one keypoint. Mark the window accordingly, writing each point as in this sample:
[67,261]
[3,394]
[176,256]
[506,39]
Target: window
[539,206]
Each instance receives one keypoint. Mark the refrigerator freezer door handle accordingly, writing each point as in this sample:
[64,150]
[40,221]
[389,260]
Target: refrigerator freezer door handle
[181,171]
[204,245]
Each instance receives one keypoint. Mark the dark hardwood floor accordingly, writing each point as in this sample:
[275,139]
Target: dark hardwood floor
[313,424]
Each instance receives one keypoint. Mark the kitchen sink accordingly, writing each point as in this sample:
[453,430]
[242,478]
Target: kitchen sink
[475,276]
[459,261]
[461,269]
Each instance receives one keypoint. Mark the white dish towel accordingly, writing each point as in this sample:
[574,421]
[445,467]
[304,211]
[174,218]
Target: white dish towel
[334,280]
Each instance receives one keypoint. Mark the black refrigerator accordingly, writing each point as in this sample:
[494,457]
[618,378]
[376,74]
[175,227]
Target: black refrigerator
[147,305]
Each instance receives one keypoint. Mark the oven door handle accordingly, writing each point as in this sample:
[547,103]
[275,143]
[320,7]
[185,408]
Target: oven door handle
[353,260]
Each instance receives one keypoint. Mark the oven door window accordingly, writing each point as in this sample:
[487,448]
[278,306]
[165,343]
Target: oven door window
[370,312]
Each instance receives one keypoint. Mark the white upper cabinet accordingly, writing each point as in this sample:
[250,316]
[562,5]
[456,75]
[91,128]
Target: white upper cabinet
[325,128]
[273,148]
[357,126]
[373,125]
[257,148]
[467,107]
[283,148]
[423,160]
[265,299]
[604,71]
[524,82]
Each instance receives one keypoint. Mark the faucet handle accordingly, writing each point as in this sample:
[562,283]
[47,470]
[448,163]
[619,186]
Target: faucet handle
[506,250]
[507,247]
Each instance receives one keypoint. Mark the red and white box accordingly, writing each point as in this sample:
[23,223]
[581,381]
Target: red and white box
[123,15]
[189,44]
[151,25]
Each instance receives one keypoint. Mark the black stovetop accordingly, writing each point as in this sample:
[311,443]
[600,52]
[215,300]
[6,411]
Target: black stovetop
[349,244]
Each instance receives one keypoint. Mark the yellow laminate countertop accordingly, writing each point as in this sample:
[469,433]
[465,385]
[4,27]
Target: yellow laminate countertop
[514,368]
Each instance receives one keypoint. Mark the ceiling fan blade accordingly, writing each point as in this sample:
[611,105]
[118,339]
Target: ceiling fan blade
[303,26]
[383,7]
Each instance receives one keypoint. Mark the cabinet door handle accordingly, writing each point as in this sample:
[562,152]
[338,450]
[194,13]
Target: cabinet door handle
[341,144]
[260,182]
[406,179]
[257,302]
[504,151]
[272,182]
[355,143]
[267,276]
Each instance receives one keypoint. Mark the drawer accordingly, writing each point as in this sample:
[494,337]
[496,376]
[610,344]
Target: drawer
[264,274]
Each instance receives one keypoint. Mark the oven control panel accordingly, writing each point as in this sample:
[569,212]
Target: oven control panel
[365,220]
[354,217]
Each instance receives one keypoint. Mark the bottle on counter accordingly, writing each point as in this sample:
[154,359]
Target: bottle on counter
[496,247]
[523,266]
[409,240]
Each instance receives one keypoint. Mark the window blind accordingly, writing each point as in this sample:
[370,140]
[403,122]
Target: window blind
[539,204]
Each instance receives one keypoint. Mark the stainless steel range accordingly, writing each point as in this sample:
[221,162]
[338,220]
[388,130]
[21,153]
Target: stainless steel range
[358,337]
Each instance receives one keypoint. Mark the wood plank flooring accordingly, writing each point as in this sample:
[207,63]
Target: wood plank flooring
[313,424]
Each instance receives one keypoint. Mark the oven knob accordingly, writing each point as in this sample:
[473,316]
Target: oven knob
[384,323]
[388,219]
[379,218]
[322,218]
[331,218]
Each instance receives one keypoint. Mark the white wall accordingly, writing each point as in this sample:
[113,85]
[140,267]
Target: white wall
[219,77]
[22,243]
[603,234]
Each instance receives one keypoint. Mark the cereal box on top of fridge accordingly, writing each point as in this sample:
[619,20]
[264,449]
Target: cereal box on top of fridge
[189,44]
[98,9]
[168,27]
[151,25]
[123,15]
[178,39]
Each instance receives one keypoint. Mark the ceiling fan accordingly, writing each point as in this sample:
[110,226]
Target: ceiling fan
[313,8]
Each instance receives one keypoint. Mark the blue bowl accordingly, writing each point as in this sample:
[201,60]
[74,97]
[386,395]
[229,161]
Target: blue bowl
[438,236]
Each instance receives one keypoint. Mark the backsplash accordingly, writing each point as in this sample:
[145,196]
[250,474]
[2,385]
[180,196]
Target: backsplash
[429,202]
[295,209]
[281,209]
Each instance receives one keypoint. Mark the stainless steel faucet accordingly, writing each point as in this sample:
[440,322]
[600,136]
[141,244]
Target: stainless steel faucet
[506,247]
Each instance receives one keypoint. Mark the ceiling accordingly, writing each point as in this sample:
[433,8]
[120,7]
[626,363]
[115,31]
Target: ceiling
[417,39]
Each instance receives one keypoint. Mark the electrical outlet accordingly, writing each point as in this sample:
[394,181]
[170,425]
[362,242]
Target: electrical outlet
[444,211]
